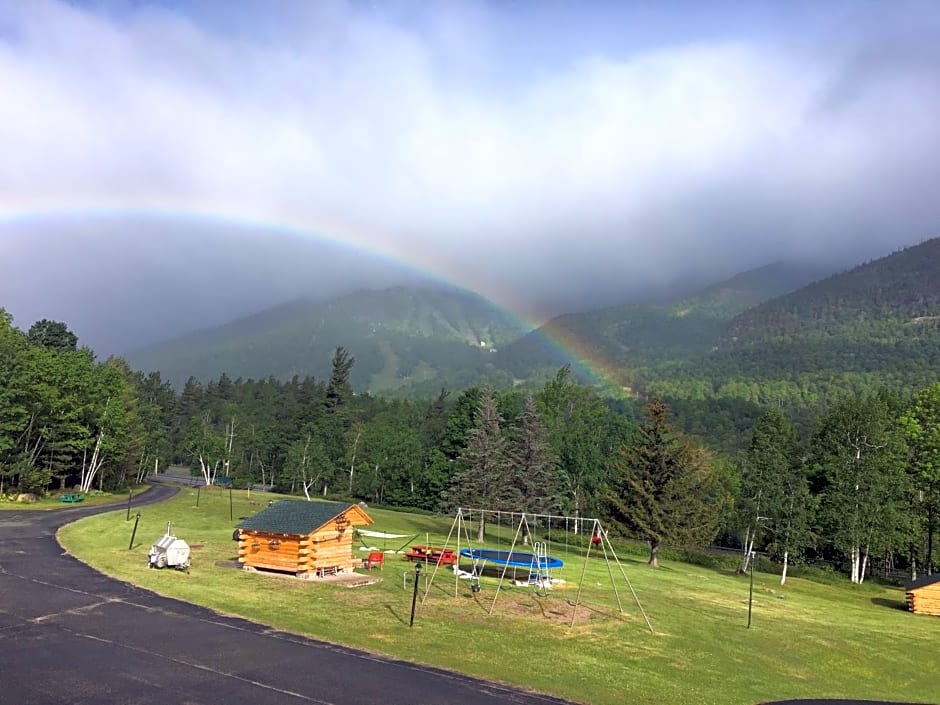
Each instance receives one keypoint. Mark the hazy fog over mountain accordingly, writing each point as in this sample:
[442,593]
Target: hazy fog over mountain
[172,165]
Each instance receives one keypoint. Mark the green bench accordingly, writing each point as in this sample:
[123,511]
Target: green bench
[71,498]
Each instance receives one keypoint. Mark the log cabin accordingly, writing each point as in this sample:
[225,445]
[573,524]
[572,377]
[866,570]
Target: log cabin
[923,595]
[307,539]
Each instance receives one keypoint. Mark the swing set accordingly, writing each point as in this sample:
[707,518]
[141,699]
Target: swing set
[538,563]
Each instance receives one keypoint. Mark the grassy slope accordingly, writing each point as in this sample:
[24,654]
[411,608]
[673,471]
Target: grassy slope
[808,639]
[52,502]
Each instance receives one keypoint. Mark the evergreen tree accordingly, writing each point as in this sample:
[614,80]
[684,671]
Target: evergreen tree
[533,465]
[664,489]
[339,391]
[461,420]
[53,335]
[482,477]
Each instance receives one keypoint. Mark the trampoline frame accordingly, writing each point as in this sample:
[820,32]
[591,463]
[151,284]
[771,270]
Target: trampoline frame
[516,559]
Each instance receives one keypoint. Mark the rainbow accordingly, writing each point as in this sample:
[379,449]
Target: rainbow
[586,362]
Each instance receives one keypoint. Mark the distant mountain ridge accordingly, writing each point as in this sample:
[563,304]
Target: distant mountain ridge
[903,287]
[791,332]
[631,335]
[398,336]
[416,340]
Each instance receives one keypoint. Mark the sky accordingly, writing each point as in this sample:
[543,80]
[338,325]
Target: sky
[170,165]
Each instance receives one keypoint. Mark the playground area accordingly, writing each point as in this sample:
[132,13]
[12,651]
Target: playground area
[808,639]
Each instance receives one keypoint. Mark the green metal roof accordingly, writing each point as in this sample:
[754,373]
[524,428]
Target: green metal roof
[923,581]
[291,516]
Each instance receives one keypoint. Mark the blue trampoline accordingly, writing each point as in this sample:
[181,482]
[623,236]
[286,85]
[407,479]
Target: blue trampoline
[513,558]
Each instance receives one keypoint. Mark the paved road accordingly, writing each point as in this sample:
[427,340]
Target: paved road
[71,635]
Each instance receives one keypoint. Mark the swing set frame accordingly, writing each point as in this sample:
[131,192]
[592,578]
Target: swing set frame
[599,538]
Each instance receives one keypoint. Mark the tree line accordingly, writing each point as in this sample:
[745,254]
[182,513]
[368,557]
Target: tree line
[861,483]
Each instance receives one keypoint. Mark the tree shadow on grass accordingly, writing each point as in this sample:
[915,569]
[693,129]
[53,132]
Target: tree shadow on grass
[893,604]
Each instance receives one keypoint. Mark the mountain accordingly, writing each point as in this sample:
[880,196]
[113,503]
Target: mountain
[900,292]
[399,337]
[625,337]
[789,334]
[874,326]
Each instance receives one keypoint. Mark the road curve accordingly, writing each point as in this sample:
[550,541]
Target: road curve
[69,634]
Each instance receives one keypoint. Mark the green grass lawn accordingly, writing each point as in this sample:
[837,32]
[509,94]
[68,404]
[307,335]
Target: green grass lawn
[807,640]
[52,501]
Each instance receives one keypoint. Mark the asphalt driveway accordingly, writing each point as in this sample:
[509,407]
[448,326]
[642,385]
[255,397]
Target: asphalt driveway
[69,634]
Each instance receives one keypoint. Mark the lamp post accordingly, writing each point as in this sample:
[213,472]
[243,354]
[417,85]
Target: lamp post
[414,595]
[750,597]
[130,546]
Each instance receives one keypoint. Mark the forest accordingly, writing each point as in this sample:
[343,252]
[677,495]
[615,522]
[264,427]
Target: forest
[856,484]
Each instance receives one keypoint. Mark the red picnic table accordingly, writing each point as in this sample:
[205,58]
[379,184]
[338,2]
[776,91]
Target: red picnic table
[432,554]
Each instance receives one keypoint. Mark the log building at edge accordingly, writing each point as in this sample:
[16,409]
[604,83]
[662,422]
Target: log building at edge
[923,595]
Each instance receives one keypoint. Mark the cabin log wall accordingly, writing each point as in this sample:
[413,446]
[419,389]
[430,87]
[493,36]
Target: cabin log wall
[297,554]
[925,600]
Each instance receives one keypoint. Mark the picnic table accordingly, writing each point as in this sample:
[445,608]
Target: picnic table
[432,554]
[72,497]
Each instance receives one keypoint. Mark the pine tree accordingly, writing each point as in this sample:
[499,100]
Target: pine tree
[482,477]
[664,489]
[533,465]
[338,391]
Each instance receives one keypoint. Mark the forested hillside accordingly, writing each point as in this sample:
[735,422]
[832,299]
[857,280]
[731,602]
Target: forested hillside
[399,337]
[411,342]
[872,327]
[633,336]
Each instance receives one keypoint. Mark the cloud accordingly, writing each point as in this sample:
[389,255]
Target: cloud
[500,147]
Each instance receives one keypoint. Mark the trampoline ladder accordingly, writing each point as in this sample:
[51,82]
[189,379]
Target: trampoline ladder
[538,569]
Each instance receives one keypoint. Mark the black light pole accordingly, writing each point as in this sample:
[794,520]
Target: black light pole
[230,513]
[414,596]
[750,598]
[197,495]
[134,532]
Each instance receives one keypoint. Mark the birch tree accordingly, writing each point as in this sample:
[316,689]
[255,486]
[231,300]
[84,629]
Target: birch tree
[205,446]
[774,499]
[858,454]
[308,464]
